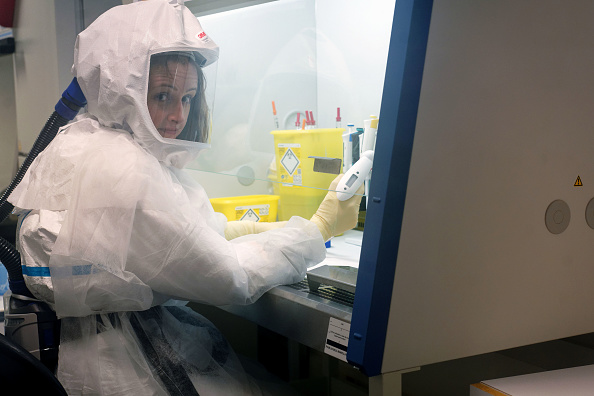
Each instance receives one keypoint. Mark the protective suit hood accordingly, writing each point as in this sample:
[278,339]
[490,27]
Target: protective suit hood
[112,60]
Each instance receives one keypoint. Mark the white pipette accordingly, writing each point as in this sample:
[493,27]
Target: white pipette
[354,177]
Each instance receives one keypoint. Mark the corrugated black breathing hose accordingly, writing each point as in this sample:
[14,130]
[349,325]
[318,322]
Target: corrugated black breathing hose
[66,109]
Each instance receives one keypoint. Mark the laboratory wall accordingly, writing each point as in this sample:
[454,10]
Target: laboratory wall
[8,133]
[45,33]
[35,66]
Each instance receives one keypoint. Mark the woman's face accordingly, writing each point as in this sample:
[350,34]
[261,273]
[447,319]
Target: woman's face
[172,86]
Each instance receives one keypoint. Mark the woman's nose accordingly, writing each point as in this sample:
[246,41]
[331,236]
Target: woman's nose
[177,113]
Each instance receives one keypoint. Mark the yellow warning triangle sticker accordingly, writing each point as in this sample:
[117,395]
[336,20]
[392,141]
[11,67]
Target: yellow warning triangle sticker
[578,182]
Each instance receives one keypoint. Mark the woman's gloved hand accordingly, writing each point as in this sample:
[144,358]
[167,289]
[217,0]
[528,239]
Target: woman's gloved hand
[236,229]
[334,217]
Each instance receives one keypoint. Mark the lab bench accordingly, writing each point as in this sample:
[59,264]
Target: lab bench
[297,313]
[301,315]
[305,313]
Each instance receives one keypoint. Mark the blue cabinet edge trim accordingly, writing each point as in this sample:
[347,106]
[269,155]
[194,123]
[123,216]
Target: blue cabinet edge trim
[395,136]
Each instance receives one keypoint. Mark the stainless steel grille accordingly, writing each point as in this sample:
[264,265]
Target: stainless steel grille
[327,292]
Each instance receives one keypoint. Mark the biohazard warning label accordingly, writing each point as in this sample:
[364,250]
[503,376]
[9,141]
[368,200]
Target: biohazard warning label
[290,169]
[578,182]
[252,213]
[337,339]
[290,161]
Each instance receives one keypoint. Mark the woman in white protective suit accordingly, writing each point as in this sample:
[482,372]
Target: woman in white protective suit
[111,228]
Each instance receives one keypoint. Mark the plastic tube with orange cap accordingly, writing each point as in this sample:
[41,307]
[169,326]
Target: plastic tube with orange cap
[276,125]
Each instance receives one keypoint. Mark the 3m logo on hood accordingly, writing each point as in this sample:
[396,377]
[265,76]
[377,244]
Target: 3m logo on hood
[202,36]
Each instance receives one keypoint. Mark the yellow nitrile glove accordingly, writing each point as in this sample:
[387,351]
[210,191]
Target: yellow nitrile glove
[334,217]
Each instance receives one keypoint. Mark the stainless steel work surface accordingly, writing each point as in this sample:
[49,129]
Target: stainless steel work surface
[303,315]
[298,314]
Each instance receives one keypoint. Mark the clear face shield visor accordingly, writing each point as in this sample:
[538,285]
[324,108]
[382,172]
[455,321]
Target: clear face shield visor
[180,96]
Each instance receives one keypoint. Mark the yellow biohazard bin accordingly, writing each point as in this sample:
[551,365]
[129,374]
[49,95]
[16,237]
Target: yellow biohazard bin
[301,189]
[261,208]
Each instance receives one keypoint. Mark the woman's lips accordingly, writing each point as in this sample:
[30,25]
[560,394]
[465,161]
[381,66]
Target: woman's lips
[169,133]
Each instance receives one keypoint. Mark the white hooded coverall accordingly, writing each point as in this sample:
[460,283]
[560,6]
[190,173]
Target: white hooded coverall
[112,228]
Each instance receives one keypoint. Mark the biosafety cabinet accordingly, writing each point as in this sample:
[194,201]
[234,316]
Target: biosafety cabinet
[480,210]
[479,225]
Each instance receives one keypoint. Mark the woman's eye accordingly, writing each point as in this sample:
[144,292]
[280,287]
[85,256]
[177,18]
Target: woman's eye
[187,99]
[162,97]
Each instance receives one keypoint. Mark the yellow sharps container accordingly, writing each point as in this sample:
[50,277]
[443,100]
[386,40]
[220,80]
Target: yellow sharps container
[301,190]
[258,208]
